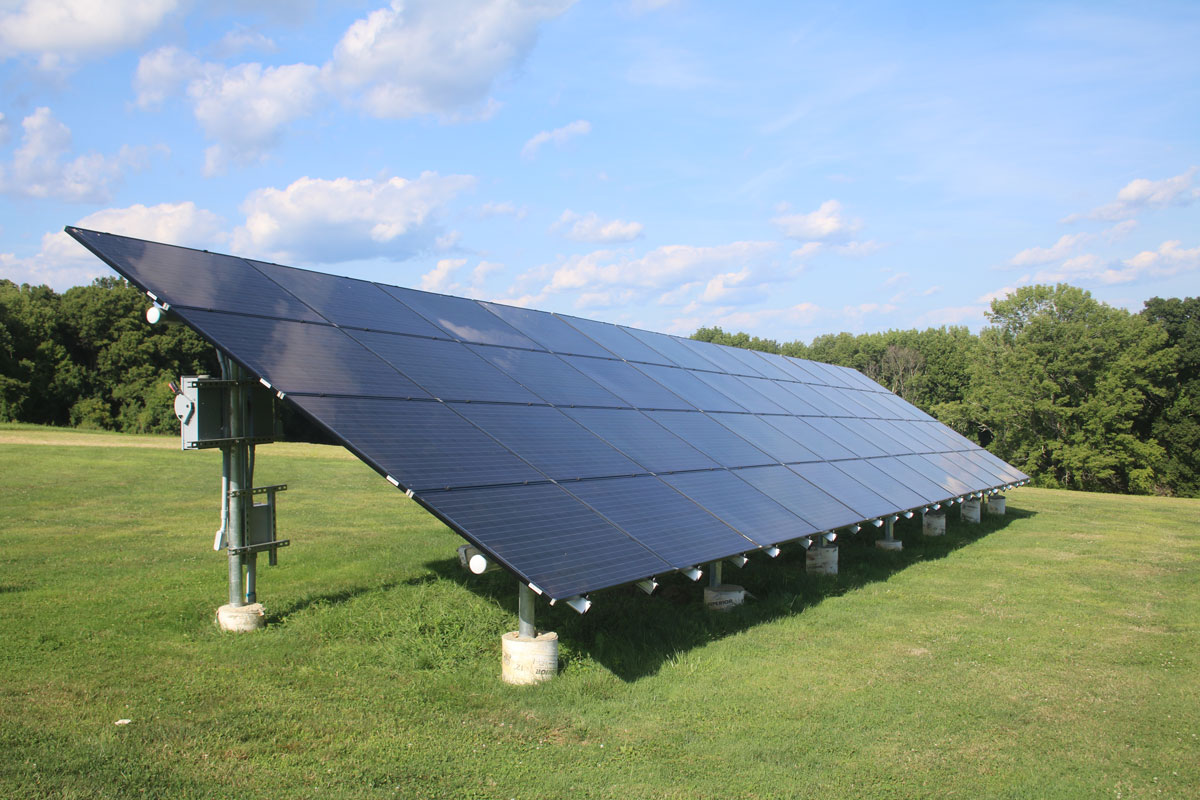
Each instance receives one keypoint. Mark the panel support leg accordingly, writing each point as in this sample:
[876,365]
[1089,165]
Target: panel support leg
[889,540]
[720,596]
[527,656]
[242,613]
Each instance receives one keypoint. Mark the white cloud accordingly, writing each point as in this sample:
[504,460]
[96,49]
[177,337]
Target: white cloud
[805,250]
[859,249]
[3,130]
[40,168]
[951,315]
[245,108]
[998,294]
[439,278]
[1143,193]
[505,209]
[315,220]
[827,222]
[435,56]
[799,314]
[657,269]
[590,228]
[1169,259]
[558,136]
[62,262]
[1044,255]
[161,73]
[61,31]
[899,277]
[241,39]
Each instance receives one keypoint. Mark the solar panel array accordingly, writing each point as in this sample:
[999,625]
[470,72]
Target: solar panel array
[578,454]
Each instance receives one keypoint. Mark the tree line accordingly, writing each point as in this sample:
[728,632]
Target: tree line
[1074,392]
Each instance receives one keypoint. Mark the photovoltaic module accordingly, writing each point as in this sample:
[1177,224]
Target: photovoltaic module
[578,454]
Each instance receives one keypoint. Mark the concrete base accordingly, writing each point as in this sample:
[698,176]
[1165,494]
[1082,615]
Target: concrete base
[933,523]
[821,560]
[970,510]
[723,597]
[241,618]
[526,661]
[996,505]
[889,544]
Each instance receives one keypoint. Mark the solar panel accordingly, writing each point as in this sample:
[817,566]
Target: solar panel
[579,455]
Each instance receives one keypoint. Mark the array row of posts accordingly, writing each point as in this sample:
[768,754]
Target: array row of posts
[530,656]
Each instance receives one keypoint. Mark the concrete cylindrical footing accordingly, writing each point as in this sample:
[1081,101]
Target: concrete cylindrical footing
[241,618]
[723,596]
[821,560]
[889,544]
[996,505]
[524,661]
[933,523]
[970,510]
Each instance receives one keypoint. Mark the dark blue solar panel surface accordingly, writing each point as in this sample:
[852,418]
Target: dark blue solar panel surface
[531,399]
[709,436]
[446,370]
[302,357]
[641,438]
[348,302]
[422,444]
[797,495]
[626,382]
[657,515]
[825,448]
[741,505]
[671,347]
[462,319]
[766,437]
[548,331]
[685,385]
[740,392]
[617,341]
[848,491]
[197,278]
[548,537]
[549,377]
[549,440]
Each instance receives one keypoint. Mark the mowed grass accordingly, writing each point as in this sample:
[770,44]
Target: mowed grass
[1053,653]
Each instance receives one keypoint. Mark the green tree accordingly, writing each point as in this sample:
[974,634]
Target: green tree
[126,363]
[1060,383]
[1176,424]
[38,379]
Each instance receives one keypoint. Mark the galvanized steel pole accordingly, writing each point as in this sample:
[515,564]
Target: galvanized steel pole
[525,599]
[237,480]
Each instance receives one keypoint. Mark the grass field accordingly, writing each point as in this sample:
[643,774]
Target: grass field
[1054,653]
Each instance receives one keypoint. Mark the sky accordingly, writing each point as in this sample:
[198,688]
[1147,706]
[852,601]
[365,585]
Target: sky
[785,169]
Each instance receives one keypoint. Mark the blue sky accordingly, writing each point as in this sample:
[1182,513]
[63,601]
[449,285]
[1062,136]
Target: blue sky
[781,168]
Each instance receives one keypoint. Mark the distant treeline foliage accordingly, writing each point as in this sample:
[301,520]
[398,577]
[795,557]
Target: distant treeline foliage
[1074,392]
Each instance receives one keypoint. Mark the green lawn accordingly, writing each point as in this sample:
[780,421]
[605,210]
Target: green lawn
[1053,653]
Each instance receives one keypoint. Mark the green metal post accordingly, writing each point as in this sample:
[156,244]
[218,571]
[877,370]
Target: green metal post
[887,529]
[714,574]
[237,481]
[525,627]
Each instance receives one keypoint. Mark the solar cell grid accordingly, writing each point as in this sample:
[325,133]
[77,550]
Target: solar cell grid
[461,319]
[547,330]
[349,302]
[532,398]
[657,515]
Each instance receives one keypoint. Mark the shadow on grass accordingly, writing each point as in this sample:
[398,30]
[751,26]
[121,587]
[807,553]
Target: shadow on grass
[337,598]
[633,635]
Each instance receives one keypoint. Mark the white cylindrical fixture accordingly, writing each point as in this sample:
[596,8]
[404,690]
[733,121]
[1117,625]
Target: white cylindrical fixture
[996,505]
[723,596]
[970,510]
[241,619]
[821,561]
[526,661]
[933,523]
